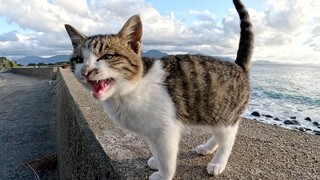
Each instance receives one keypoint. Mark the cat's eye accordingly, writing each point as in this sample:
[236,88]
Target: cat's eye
[77,59]
[106,57]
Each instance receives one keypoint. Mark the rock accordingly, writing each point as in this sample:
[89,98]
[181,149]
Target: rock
[293,117]
[288,122]
[268,116]
[315,123]
[277,119]
[308,129]
[315,131]
[255,113]
[291,122]
[307,119]
[296,122]
[302,129]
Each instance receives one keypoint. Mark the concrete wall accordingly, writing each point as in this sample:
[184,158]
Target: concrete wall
[41,72]
[80,155]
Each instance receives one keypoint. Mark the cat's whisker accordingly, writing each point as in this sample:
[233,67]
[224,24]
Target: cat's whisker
[52,83]
[56,86]
[60,88]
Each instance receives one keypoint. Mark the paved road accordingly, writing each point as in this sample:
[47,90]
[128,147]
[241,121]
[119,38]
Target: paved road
[26,125]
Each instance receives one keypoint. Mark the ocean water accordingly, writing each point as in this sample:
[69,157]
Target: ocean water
[285,91]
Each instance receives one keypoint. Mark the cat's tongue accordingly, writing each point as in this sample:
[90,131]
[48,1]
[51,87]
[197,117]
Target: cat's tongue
[100,87]
[97,87]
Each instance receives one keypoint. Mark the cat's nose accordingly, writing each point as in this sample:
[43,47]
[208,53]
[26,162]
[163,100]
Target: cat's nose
[86,72]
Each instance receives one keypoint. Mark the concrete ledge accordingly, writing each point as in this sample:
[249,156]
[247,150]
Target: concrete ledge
[80,155]
[90,146]
[41,72]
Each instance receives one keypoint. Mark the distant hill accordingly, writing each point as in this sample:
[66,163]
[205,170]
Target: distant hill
[264,62]
[36,59]
[58,58]
[151,53]
[154,54]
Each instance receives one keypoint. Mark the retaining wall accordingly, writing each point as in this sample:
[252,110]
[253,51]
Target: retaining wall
[79,122]
[40,72]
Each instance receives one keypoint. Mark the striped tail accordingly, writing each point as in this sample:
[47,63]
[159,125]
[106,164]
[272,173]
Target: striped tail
[246,37]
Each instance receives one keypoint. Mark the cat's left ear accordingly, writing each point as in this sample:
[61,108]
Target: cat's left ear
[131,32]
[75,36]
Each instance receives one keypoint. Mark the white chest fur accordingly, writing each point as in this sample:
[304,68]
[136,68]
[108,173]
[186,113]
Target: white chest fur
[146,108]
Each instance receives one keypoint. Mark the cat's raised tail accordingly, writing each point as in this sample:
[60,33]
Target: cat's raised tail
[246,37]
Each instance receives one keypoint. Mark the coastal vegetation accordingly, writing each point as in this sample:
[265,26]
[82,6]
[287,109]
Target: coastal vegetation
[7,64]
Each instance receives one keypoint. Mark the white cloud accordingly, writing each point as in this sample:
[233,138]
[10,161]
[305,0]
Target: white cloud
[284,30]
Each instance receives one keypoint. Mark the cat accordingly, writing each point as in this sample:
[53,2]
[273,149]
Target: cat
[156,98]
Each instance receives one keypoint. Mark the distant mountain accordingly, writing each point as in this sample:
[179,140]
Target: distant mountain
[154,54]
[151,53]
[36,59]
[264,62]
[224,58]
[58,58]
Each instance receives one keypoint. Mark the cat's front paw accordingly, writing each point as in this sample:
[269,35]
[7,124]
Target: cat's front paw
[203,150]
[215,169]
[156,176]
[153,164]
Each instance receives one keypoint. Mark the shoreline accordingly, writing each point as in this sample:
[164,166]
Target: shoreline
[291,122]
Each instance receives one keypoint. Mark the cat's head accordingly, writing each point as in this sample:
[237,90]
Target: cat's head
[110,64]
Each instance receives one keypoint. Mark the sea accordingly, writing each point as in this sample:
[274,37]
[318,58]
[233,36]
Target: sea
[286,92]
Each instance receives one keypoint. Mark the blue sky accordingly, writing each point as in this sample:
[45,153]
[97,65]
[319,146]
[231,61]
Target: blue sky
[181,8]
[285,31]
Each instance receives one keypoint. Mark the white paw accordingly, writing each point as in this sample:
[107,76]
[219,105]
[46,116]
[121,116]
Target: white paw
[156,176]
[153,164]
[203,150]
[215,169]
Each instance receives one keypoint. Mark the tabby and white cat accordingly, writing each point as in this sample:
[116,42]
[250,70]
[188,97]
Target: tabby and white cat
[156,98]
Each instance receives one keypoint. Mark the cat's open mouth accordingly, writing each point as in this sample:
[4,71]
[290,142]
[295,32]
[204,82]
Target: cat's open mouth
[100,87]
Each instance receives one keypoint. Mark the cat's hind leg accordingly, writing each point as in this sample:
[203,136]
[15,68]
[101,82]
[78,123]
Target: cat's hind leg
[209,147]
[225,137]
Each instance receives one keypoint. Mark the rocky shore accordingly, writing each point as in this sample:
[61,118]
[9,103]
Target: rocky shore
[291,122]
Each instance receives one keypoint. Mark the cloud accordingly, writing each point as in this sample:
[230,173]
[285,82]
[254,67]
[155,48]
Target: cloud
[283,29]
[9,36]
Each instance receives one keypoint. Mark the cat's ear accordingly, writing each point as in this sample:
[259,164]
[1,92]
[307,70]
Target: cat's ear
[75,36]
[131,32]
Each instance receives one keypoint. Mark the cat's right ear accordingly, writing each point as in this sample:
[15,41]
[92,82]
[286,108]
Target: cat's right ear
[131,32]
[75,36]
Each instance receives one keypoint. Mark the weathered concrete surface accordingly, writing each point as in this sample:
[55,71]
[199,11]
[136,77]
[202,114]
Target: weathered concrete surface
[261,151]
[80,155]
[26,125]
[41,72]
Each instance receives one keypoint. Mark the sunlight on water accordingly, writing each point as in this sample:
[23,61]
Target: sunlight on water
[286,91]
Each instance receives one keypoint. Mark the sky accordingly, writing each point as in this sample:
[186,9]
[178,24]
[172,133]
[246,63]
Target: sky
[285,31]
